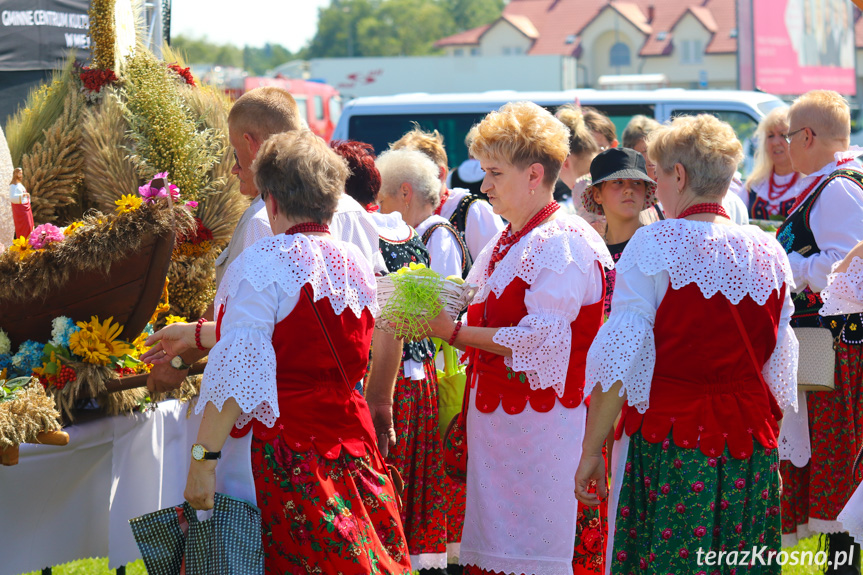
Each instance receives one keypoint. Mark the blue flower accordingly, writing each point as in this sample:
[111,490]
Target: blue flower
[5,361]
[62,328]
[29,356]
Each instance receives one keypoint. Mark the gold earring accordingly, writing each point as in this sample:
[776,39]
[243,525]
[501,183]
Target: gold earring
[532,192]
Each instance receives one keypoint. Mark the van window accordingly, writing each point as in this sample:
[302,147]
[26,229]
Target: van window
[303,106]
[335,109]
[621,114]
[319,107]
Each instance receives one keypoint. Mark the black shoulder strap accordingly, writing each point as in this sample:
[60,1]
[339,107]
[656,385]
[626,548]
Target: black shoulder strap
[465,254]
[459,217]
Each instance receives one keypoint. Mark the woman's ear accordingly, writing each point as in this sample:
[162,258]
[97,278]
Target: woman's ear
[406,192]
[680,175]
[536,171]
[272,205]
[596,192]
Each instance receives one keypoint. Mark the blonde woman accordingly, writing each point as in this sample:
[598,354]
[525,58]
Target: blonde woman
[575,172]
[774,184]
[538,307]
[696,469]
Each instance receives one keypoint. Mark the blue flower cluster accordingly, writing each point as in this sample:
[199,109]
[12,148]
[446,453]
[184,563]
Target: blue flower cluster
[61,328]
[29,356]
[5,361]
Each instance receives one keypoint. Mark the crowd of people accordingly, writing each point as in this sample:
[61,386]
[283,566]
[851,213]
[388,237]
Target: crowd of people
[633,349]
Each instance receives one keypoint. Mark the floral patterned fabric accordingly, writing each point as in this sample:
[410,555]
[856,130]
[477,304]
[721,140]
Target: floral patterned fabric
[675,501]
[327,516]
[821,489]
[616,250]
[419,459]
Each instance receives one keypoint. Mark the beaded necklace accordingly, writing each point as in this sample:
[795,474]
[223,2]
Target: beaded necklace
[704,209]
[308,227]
[507,238]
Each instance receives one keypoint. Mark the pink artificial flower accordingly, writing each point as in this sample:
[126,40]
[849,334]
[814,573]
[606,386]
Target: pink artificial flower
[151,194]
[45,234]
[174,191]
[191,205]
[161,176]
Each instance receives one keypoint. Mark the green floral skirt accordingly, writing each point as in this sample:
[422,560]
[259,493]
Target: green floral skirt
[677,505]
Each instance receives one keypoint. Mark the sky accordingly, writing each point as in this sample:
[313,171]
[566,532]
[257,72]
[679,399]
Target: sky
[291,23]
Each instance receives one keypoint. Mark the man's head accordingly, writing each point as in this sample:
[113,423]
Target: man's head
[429,143]
[819,125]
[254,117]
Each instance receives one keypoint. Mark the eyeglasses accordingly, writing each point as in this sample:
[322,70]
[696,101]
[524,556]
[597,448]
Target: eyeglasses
[787,137]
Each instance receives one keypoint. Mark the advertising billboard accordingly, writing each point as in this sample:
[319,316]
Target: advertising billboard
[802,45]
[37,34]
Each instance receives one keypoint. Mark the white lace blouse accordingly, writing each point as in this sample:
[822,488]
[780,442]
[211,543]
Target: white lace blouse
[733,260]
[844,291]
[260,288]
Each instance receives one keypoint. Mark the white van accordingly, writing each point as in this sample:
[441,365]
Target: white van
[383,119]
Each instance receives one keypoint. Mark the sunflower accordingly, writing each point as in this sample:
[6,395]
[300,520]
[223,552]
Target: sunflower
[97,341]
[175,319]
[72,228]
[128,203]
[22,247]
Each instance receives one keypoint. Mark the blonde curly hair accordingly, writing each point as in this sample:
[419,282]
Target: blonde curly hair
[522,133]
[706,147]
[429,143]
[580,139]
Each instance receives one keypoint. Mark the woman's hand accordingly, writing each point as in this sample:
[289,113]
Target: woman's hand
[441,326]
[590,474]
[201,484]
[170,341]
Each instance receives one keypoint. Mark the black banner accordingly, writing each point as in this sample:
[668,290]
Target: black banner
[38,34]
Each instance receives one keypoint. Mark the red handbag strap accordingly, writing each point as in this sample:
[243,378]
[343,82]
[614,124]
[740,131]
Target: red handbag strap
[736,315]
[308,291]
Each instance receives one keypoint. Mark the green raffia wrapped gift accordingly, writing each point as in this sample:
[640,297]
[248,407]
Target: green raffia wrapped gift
[415,293]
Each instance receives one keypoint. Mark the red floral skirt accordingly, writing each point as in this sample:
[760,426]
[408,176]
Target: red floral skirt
[327,515]
[822,488]
[419,459]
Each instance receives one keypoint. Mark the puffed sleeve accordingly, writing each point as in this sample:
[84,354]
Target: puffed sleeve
[624,349]
[541,341]
[445,253]
[844,291]
[242,364]
[481,225]
[780,371]
[257,228]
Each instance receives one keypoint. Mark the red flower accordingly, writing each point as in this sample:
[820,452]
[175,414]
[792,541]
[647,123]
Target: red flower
[647,482]
[632,534]
[698,486]
[757,476]
[665,444]
[346,528]
[628,466]
[624,512]
[681,508]
[665,489]
[764,494]
[700,531]
[652,557]
[621,556]
[711,462]
[642,564]
[712,506]
[723,504]
[184,73]
[666,533]
[740,483]
[678,464]
[683,553]
[94,80]
[592,540]
[652,495]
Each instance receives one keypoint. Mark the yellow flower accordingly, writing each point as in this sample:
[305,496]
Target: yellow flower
[21,247]
[97,341]
[175,319]
[128,203]
[72,228]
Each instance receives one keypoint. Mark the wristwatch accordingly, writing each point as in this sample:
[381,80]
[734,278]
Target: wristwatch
[178,363]
[200,453]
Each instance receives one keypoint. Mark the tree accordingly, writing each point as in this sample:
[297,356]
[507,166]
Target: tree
[256,61]
[467,14]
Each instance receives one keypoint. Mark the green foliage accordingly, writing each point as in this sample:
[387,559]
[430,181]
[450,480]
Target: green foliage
[256,61]
[165,134]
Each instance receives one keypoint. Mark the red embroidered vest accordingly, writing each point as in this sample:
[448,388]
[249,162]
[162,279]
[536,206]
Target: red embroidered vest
[705,390]
[315,406]
[497,384]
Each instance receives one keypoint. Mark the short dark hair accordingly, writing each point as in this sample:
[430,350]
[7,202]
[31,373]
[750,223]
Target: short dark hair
[364,183]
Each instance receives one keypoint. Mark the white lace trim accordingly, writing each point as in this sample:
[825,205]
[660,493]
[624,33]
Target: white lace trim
[734,260]
[844,291]
[335,270]
[540,347]
[794,445]
[851,516]
[623,350]
[780,372]
[428,561]
[553,246]
[242,355]
[496,563]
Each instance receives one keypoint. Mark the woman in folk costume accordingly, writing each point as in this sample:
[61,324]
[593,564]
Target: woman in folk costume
[291,341]
[538,307]
[696,468]
[821,228]
[773,184]
[844,295]
[417,451]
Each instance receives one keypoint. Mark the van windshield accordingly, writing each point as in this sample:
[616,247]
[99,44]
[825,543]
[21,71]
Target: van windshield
[382,129]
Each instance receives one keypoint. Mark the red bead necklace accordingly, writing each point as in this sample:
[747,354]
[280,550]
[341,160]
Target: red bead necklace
[776,191]
[804,194]
[704,209]
[506,239]
[308,227]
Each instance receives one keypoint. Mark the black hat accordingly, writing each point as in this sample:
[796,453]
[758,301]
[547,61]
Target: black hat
[617,164]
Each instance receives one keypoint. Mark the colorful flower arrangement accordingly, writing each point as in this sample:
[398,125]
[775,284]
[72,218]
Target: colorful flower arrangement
[151,193]
[93,80]
[195,244]
[184,73]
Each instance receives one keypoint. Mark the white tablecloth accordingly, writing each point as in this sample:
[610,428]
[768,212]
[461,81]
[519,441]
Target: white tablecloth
[60,504]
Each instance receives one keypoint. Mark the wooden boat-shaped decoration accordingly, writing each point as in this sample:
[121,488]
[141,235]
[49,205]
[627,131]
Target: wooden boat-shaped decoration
[112,266]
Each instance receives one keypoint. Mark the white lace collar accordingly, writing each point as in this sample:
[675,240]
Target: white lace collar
[391,226]
[553,246]
[336,270]
[731,259]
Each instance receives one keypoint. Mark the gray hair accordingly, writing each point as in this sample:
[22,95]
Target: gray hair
[409,166]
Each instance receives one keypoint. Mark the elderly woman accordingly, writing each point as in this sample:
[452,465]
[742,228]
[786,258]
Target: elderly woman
[538,307]
[773,184]
[696,468]
[417,451]
[410,185]
[294,324]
